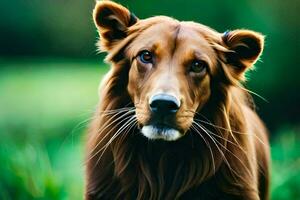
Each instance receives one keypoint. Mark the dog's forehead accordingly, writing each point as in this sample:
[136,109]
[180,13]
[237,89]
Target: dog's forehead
[155,34]
[166,35]
[192,38]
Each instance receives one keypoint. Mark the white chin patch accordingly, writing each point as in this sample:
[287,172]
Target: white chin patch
[168,134]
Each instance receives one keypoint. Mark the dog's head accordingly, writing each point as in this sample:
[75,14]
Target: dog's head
[173,66]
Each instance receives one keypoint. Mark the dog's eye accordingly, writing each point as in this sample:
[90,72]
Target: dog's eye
[145,57]
[198,66]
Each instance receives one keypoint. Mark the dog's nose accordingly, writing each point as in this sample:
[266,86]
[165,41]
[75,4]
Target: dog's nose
[164,104]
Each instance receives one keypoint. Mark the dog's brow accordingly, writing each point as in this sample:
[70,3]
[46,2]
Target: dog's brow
[195,54]
[200,56]
[177,32]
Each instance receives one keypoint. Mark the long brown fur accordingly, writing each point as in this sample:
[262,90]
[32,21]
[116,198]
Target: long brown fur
[224,153]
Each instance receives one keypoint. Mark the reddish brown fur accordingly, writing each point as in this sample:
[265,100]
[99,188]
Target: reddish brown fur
[129,166]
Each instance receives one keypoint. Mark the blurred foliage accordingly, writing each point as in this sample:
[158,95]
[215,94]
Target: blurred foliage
[48,27]
[286,164]
[43,110]
[45,104]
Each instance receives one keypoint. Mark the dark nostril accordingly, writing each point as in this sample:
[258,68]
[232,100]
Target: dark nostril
[163,106]
[164,103]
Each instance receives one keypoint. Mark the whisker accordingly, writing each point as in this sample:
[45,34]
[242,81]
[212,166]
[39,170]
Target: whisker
[221,152]
[97,145]
[229,130]
[122,128]
[226,140]
[108,112]
[134,124]
[208,122]
[254,93]
[109,122]
[223,128]
[208,146]
[76,127]
[224,147]
[124,135]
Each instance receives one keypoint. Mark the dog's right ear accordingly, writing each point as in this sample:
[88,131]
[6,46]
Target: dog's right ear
[112,21]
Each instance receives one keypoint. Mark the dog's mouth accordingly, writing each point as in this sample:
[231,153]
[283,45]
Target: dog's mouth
[161,131]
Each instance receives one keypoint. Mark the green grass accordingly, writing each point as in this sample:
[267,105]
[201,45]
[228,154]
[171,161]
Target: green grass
[43,108]
[286,164]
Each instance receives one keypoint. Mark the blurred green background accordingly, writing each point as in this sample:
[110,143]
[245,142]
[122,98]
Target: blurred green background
[49,75]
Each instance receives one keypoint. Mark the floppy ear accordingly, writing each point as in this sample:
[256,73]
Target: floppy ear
[112,21]
[244,48]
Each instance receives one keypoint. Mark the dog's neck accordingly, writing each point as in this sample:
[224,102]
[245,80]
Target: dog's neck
[174,167]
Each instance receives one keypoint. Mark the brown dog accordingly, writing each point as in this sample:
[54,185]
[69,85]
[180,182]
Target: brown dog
[174,121]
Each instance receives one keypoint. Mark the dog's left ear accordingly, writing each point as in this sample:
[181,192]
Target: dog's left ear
[112,21]
[244,48]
